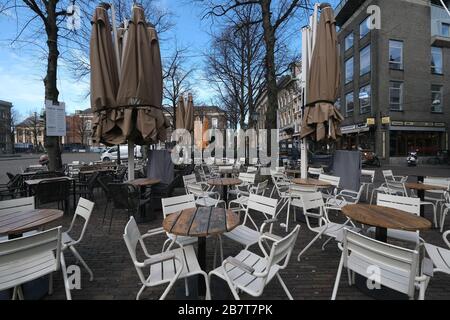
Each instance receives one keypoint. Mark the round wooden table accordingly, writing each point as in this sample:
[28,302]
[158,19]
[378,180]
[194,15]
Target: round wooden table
[312,182]
[224,183]
[383,218]
[421,188]
[201,222]
[14,224]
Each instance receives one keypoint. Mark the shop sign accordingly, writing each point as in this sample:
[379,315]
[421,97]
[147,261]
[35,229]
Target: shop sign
[370,121]
[439,124]
[397,123]
[409,123]
[386,120]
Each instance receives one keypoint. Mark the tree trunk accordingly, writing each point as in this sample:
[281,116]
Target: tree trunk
[50,81]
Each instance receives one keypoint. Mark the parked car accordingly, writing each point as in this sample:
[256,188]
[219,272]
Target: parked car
[97,149]
[111,153]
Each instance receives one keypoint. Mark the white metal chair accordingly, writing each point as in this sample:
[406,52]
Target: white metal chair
[315,172]
[383,188]
[170,206]
[241,200]
[31,257]
[251,273]
[440,257]
[17,205]
[368,178]
[248,180]
[343,198]
[204,198]
[252,169]
[445,209]
[389,175]
[164,268]
[280,182]
[398,267]
[293,199]
[192,179]
[249,236]
[83,211]
[333,181]
[314,201]
[410,205]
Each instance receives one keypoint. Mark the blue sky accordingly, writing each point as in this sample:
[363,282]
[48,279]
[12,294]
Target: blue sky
[22,69]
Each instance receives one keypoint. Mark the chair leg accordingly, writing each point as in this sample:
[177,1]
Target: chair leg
[371,197]
[77,255]
[66,281]
[140,292]
[284,287]
[110,221]
[326,242]
[186,287]
[309,245]
[208,290]
[20,293]
[104,211]
[444,214]
[338,278]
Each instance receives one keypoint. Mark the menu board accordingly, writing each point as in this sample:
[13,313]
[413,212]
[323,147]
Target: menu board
[55,119]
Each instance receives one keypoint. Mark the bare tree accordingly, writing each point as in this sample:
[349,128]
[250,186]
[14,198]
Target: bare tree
[272,15]
[13,118]
[235,64]
[177,79]
[81,128]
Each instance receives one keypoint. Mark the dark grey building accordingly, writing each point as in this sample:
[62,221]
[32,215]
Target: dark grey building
[6,143]
[395,92]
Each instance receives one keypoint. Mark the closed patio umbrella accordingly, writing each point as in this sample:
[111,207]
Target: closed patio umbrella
[104,79]
[180,112]
[189,114]
[321,120]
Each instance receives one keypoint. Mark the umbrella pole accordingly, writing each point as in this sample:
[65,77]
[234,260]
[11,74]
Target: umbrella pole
[116,38]
[130,160]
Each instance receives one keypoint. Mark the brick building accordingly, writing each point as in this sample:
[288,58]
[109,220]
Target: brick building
[6,138]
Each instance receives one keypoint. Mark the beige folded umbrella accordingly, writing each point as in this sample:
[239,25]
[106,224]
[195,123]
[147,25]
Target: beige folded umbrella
[104,79]
[189,114]
[180,112]
[321,119]
[140,90]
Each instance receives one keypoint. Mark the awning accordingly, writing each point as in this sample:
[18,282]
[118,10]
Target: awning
[421,129]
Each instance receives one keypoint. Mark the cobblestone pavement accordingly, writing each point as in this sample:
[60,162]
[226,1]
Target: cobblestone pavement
[311,278]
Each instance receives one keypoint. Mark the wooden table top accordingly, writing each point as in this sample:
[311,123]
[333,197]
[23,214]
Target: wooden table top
[33,182]
[20,222]
[201,222]
[384,217]
[311,182]
[224,182]
[144,182]
[425,187]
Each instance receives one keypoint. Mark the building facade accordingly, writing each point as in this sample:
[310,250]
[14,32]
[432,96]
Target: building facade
[79,129]
[395,76]
[29,134]
[6,138]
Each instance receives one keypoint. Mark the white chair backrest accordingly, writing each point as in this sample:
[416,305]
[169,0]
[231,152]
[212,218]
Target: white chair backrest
[261,188]
[280,169]
[175,204]
[388,175]
[266,206]
[312,200]
[441,182]
[296,190]
[84,210]
[247,178]
[196,190]
[14,251]
[315,171]
[407,204]
[17,205]
[224,168]
[252,169]
[334,181]
[366,252]
[189,179]
[368,174]
[282,249]
[396,188]
[132,237]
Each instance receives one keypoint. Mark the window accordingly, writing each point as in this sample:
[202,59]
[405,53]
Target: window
[349,41]
[365,99]
[364,28]
[436,60]
[349,104]
[445,30]
[364,60]
[337,104]
[349,70]
[396,95]
[214,123]
[396,55]
[436,98]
